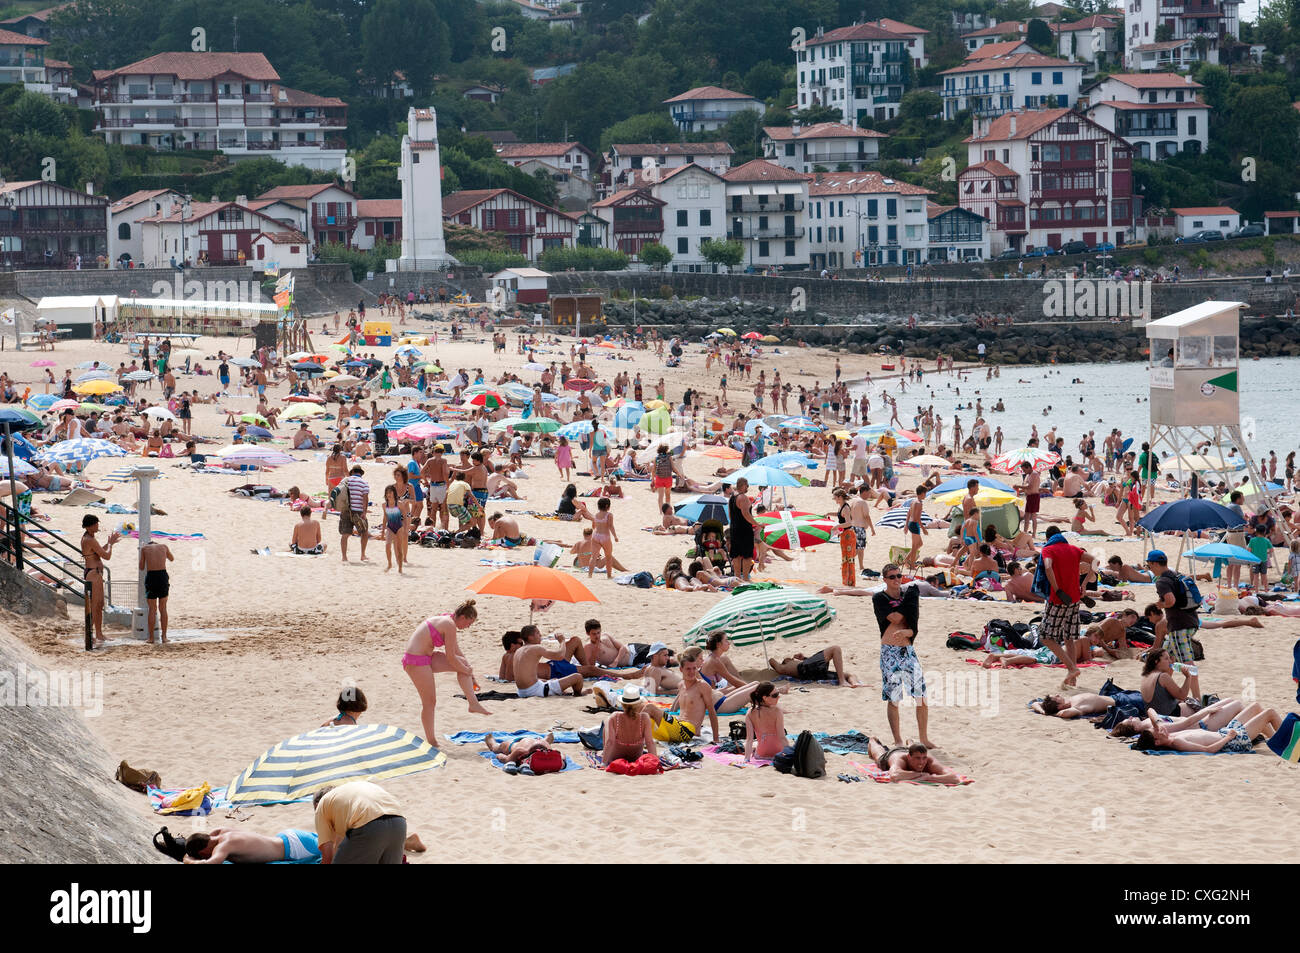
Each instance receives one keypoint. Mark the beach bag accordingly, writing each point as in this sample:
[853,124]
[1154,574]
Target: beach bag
[646,764]
[809,757]
[169,844]
[736,731]
[783,760]
[964,640]
[546,762]
[137,780]
[643,580]
[339,497]
[1198,650]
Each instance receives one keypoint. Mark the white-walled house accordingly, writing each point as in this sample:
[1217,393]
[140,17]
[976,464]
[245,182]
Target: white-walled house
[286,250]
[997,33]
[859,70]
[292,216]
[204,233]
[633,218]
[620,165]
[828,144]
[1092,39]
[378,220]
[124,218]
[914,35]
[329,211]
[1186,21]
[529,226]
[957,234]
[766,212]
[571,156]
[1159,114]
[1189,221]
[695,208]
[863,219]
[706,108]
[991,86]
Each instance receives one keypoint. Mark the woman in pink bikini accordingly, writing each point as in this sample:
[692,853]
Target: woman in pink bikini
[421,661]
[603,536]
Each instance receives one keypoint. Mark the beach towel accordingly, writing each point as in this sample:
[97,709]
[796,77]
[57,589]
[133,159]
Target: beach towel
[490,758]
[1285,742]
[734,760]
[848,742]
[81,497]
[477,737]
[975,661]
[174,537]
[876,773]
[189,802]
[496,696]
[1168,751]
[1295,669]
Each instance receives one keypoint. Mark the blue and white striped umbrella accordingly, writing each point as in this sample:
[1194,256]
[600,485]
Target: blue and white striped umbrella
[628,416]
[43,401]
[21,468]
[407,393]
[897,518]
[93,376]
[406,349]
[138,376]
[80,451]
[398,419]
[579,429]
[786,460]
[801,424]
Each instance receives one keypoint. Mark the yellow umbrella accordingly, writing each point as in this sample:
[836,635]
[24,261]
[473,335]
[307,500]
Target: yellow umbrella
[303,411]
[656,405]
[727,331]
[987,496]
[96,387]
[770,339]
[841,435]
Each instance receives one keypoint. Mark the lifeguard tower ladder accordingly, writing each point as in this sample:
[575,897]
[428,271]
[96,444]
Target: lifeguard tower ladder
[1195,393]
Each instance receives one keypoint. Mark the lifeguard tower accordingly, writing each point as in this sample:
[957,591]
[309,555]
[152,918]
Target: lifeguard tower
[1195,389]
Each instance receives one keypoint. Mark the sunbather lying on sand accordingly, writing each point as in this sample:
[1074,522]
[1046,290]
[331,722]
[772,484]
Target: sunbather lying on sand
[1082,705]
[247,847]
[913,763]
[515,752]
[817,667]
[1224,726]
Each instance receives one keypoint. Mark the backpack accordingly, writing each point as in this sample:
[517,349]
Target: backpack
[339,497]
[964,640]
[171,845]
[643,580]
[809,757]
[783,760]
[546,762]
[1190,600]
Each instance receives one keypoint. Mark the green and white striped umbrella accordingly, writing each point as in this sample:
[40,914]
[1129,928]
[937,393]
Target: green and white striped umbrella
[762,615]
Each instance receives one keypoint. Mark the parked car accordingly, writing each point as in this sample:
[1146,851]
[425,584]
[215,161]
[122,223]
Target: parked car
[1075,247]
[1103,247]
[1009,254]
[1042,251]
[1210,235]
[1248,231]
[1193,239]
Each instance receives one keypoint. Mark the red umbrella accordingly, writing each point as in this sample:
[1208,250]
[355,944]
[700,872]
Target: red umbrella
[488,399]
[752,336]
[579,384]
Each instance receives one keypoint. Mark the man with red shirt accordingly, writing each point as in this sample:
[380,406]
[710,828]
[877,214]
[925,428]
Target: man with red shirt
[1063,566]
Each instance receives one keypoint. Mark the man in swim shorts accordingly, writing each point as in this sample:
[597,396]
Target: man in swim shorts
[247,847]
[157,586]
[525,659]
[911,763]
[816,668]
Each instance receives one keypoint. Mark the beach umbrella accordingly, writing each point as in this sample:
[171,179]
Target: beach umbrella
[245,362]
[44,362]
[1182,516]
[959,483]
[537,425]
[751,336]
[753,426]
[536,583]
[299,356]
[96,388]
[727,331]
[534,366]
[159,413]
[21,468]
[517,393]
[770,339]
[984,496]
[628,417]
[253,419]
[790,533]
[344,380]
[59,406]
[1196,461]
[305,398]
[926,460]
[1225,551]
[506,423]
[656,405]
[407,393]
[356,364]
[656,422]
[579,384]
[721,452]
[785,460]
[90,407]
[762,476]
[341,348]
[307,368]
[406,349]
[405,417]
[100,375]
[1040,460]
[488,399]
[300,766]
[579,429]
[303,412]
[259,432]
[428,366]
[250,455]
[1249,490]
[138,377]
[618,402]
[80,451]
[90,365]
[708,506]
[802,424]
[897,518]
[761,614]
[425,430]
[42,401]
[15,415]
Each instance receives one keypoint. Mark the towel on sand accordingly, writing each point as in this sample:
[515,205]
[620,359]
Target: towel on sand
[569,763]
[875,773]
[476,737]
[734,760]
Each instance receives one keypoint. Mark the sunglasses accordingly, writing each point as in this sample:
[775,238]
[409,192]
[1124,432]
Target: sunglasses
[895,576]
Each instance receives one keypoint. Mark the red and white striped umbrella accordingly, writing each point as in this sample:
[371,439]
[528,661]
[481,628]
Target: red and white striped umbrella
[1039,459]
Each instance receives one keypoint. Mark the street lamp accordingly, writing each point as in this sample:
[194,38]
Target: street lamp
[185,210]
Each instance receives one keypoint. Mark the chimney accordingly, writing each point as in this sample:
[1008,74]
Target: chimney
[1013,124]
[241,199]
[817,178]
[90,188]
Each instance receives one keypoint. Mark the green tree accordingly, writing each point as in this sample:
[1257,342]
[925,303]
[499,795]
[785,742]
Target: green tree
[1263,123]
[1039,35]
[717,252]
[406,36]
[816,114]
[743,132]
[765,79]
[920,104]
[647,127]
[655,255]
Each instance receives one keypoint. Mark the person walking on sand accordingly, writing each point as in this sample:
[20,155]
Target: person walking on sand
[422,660]
[1063,565]
[916,526]
[94,556]
[352,514]
[157,585]
[898,615]
[603,535]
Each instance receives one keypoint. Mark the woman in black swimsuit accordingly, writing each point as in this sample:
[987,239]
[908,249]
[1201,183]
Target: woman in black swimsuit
[741,527]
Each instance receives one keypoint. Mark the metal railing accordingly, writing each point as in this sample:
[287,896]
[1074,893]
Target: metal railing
[49,560]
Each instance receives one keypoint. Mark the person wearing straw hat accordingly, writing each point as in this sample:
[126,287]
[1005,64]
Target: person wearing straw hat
[628,733]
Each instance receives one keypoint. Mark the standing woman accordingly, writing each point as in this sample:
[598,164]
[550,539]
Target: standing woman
[742,523]
[835,463]
[406,502]
[422,659]
[94,556]
[599,447]
[394,527]
[564,459]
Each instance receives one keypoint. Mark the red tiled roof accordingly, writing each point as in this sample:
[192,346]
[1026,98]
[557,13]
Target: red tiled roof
[379,208]
[1002,48]
[673,149]
[862,183]
[990,165]
[896,26]
[136,198]
[1155,80]
[1125,104]
[1205,210]
[844,34]
[823,130]
[537,150]
[707,92]
[198,66]
[1164,45]
[1014,61]
[296,97]
[10,38]
[760,170]
[284,238]
[638,180]
[1095,22]
[300,191]
[1027,123]
[42,15]
[1281,214]
[624,194]
[57,64]
[458,202]
[1005,28]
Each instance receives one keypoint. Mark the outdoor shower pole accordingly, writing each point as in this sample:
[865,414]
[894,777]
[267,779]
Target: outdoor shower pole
[140,614]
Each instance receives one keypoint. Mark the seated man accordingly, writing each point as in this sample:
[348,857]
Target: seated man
[982,565]
[657,676]
[1082,705]
[1110,635]
[247,847]
[817,667]
[304,439]
[306,540]
[572,660]
[671,524]
[1019,586]
[913,763]
[586,551]
[501,488]
[602,649]
[505,529]
[527,672]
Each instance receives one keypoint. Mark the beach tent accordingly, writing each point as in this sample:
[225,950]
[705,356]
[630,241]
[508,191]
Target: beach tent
[300,766]
[78,313]
[1005,517]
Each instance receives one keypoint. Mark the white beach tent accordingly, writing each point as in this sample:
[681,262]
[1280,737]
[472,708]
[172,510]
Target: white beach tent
[78,313]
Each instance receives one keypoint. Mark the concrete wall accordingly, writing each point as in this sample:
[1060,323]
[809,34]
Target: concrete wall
[40,284]
[26,596]
[469,279]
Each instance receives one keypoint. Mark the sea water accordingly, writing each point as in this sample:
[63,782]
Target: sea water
[1109,395]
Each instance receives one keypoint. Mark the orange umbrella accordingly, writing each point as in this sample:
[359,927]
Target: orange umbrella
[532,582]
[722,453]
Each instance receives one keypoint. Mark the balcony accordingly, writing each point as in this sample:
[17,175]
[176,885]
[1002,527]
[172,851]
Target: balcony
[877,76]
[824,157]
[323,222]
[702,115]
[654,225]
[520,228]
[734,234]
[1140,131]
[194,98]
[258,98]
[258,122]
[54,228]
[768,208]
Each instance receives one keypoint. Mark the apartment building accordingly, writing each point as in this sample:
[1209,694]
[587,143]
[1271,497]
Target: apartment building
[832,145]
[618,167]
[991,86]
[861,70]
[125,216]
[329,211]
[1094,40]
[862,219]
[228,102]
[706,108]
[995,33]
[766,210]
[1046,177]
[695,209]
[529,226]
[1158,114]
[46,225]
[1192,30]
[914,35]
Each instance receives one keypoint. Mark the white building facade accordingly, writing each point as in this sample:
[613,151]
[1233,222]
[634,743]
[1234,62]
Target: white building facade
[695,209]
[1158,114]
[706,108]
[991,86]
[1202,24]
[860,70]
[827,144]
[864,219]
[766,212]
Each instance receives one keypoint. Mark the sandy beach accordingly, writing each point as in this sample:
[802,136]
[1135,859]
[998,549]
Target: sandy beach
[264,642]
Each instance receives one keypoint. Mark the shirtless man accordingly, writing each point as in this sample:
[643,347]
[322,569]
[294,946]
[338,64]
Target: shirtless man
[247,847]
[499,487]
[1123,572]
[306,539]
[1019,588]
[817,667]
[1083,705]
[525,659]
[336,468]
[516,752]
[602,649]
[585,550]
[1111,634]
[860,520]
[157,586]
[94,556]
[437,472]
[695,697]
[671,524]
[304,439]
[1074,484]
[506,529]
[476,475]
[657,676]
[913,763]
[573,660]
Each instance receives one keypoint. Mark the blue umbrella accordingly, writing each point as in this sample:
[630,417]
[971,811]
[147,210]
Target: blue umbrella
[959,483]
[754,425]
[356,364]
[21,468]
[261,432]
[1226,551]
[45,401]
[80,451]
[579,429]
[1189,515]
[13,421]
[628,417]
[409,393]
[801,423]
[404,417]
[701,508]
[308,368]
[784,459]
[762,476]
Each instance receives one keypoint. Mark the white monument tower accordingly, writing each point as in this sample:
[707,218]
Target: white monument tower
[1195,393]
[423,245]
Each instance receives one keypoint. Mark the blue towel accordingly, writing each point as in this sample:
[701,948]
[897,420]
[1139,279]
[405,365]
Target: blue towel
[476,737]
[569,763]
[1295,669]
[1167,751]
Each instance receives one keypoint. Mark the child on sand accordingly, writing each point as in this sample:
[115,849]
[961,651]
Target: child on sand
[421,660]
[351,703]
[564,460]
